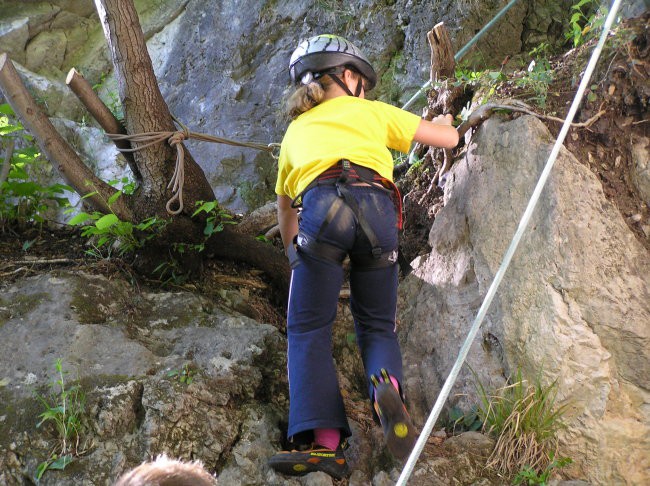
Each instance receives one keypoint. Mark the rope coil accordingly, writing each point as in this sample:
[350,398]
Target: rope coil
[175,140]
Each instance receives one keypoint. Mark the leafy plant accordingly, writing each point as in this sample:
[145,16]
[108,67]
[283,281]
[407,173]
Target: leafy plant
[111,232]
[538,76]
[490,80]
[530,477]
[524,420]
[463,421]
[64,408]
[184,375]
[54,463]
[216,219]
[587,17]
[23,198]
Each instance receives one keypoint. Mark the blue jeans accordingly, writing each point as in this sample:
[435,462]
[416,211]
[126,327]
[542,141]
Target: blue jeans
[315,398]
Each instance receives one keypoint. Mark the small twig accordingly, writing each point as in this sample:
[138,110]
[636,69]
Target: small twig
[13,272]
[45,262]
[444,168]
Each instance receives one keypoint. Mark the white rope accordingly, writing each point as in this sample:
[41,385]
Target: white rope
[453,374]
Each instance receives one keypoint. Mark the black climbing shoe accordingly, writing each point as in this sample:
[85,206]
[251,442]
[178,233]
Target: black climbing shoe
[299,463]
[399,431]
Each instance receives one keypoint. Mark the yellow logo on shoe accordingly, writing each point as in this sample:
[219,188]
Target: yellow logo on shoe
[322,454]
[401,430]
[299,467]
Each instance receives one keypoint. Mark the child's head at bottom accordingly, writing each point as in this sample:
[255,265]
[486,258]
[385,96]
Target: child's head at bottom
[167,472]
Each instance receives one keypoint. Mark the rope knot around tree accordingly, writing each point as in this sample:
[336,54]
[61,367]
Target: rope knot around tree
[175,139]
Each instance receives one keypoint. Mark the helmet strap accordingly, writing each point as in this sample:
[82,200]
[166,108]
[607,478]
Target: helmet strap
[340,82]
[357,91]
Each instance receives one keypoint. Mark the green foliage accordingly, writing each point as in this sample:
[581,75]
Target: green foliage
[216,217]
[538,76]
[23,199]
[586,19]
[110,232]
[489,80]
[461,421]
[524,420]
[529,477]
[64,408]
[184,375]
[113,233]
[54,463]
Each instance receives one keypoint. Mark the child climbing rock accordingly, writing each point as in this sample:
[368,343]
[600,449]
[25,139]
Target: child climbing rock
[335,164]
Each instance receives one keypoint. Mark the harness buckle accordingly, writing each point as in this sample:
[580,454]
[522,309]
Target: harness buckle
[345,170]
[376,252]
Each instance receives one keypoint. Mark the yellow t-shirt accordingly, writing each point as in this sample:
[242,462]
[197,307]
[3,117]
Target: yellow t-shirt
[344,127]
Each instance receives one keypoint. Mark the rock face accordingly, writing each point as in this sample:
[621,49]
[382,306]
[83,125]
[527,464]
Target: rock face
[574,305]
[132,351]
[129,353]
[222,65]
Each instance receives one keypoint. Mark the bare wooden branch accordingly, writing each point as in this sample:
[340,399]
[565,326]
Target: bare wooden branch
[100,112]
[64,159]
[6,165]
[484,112]
[442,53]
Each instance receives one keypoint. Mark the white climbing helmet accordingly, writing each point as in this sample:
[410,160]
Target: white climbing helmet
[314,56]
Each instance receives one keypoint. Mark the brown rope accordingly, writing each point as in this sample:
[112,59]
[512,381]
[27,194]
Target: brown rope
[175,139]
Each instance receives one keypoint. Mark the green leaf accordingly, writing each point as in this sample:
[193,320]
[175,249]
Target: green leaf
[6,109]
[79,219]
[61,462]
[102,241]
[114,197]
[10,129]
[106,221]
[90,194]
[40,470]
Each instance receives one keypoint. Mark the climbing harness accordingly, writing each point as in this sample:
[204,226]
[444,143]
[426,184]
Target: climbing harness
[341,175]
[523,224]
[175,139]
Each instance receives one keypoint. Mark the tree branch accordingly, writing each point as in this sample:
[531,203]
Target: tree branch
[484,112]
[100,112]
[64,159]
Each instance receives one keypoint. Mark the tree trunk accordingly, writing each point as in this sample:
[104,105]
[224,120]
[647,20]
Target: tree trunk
[145,110]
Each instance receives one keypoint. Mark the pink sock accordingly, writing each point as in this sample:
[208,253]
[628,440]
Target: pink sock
[395,383]
[328,438]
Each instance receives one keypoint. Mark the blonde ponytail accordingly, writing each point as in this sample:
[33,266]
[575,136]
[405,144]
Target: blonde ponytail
[305,98]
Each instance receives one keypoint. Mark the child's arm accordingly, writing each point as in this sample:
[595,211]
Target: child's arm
[287,220]
[437,133]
